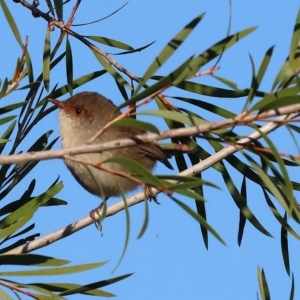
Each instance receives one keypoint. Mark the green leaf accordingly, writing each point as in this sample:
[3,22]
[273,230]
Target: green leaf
[31,260]
[219,48]
[19,217]
[135,50]
[241,202]
[11,22]
[111,70]
[46,60]
[6,119]
[4,88]
[268,182]
[69,66]
[127,236]
[279,218]
[110,42]
[6,135]
[199,219]
[130,122]
[263,285]
[146,218]
[200,205]
[286,184]
[243,220]
[58,4]
[4,296]
[55,271]
[94,285]
[292,288]
[292,63]
[174,115]
[11,107]
[211,91]
[83,24]
[177,75]
[138,171]
[268,103]
[285,247]
[208,106]
[168,51]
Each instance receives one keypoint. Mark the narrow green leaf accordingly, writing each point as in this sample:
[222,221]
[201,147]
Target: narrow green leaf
[11,107]
[110,42]
[200,205]
[266,104]
[218,48]
[5,296]
[174,115]
[295,39]
[285,247]
[268,182]
[279,218]
[243,220]
[226,82]
[211,91]
[112,71]
[254,85]
[95,285]
[55,271]
[263,285]
[130,122]
[164,82]
[146,218]
[138,171]
[62,287]
[241,203]
[11,22]
[292,288]
[127,236]
[287,187]
[31,260]
[7,119]
[168,51]
[134,50]
[199,219]
[208,106]
[83,24]
[6,135]
[46,60]
[58,4]
[4,88]
[69,66]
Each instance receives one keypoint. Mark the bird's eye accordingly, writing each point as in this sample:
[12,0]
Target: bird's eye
[78,111]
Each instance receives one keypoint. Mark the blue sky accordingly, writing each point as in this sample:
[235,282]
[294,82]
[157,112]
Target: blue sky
[170,260]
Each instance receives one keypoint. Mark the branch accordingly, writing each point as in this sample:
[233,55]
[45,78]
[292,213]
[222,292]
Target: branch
[150,137]
[115,208]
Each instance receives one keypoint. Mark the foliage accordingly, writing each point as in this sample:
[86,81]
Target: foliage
[260,162]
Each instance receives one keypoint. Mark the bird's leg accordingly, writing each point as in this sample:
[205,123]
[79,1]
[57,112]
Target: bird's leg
[150,194]
[97,211]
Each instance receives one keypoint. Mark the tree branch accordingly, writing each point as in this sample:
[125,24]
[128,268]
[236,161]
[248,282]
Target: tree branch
[115,208]
[150,137]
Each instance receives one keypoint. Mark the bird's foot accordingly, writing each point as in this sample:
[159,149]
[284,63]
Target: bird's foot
[150,194]
[97,220]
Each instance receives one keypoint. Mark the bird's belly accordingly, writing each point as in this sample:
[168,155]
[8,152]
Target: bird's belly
[97,181]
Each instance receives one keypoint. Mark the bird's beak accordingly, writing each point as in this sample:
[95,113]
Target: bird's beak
[58,103]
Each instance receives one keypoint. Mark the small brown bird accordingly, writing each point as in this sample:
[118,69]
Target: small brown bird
[84,115]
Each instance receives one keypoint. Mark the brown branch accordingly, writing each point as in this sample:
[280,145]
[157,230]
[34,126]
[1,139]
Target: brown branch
[149,137]
[16,288]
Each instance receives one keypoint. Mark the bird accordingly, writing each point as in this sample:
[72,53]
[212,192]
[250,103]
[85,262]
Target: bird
[81,117]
